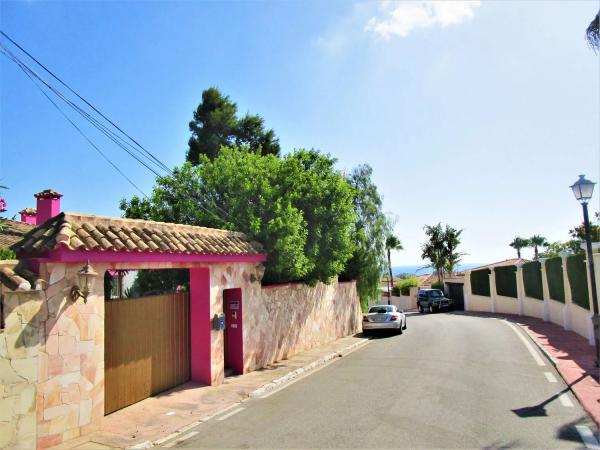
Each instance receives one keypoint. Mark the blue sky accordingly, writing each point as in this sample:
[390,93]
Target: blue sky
[479,115]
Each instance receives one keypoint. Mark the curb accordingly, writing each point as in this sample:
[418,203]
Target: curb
[556,366]
[307,368]
[260,391]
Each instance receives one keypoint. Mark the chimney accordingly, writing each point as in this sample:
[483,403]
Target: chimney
[28,215]
[48,205]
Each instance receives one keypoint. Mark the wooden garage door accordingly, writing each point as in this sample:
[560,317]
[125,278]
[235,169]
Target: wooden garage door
[146,347]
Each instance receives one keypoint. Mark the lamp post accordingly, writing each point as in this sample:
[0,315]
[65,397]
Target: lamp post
[583,190]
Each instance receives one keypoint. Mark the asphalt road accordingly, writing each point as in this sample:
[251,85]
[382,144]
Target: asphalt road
[450,381]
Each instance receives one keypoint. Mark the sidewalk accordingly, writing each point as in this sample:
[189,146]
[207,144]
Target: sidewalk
[156,418]
[570,353]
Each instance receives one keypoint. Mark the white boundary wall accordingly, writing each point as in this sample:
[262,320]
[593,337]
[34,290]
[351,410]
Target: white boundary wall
[568,315]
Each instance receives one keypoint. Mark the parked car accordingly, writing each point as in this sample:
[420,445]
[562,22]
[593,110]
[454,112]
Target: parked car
[433,300]
[384,317]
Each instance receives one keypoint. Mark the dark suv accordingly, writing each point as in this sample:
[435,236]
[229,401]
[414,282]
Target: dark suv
[433,300]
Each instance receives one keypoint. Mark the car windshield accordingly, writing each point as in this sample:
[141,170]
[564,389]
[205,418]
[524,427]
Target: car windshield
[436,294]
[381,309]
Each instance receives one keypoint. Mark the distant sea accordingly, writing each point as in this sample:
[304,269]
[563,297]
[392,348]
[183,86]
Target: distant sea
[417,270]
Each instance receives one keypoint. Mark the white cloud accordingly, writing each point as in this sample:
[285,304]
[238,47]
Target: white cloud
[399,19]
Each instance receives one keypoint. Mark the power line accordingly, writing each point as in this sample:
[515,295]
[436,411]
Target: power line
[101,127]
[81,132]
[85,101]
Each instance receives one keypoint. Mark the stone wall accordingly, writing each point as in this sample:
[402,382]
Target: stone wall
[70,394]
[19,345]
[284,320]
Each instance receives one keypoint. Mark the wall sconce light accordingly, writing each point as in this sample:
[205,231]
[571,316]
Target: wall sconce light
[86,278]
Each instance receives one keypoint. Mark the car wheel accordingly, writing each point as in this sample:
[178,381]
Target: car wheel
[404,327]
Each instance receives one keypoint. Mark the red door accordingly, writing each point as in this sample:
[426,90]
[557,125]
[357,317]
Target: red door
[234,336]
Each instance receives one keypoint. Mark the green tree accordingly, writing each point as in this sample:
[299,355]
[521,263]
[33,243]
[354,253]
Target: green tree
[451,241]
[518,243]
[370,229]
[299,207]
[434,249]
[537,241]
[215,124]
[441,248]
[592,33]
[578,232]
[391,243]
[553,249]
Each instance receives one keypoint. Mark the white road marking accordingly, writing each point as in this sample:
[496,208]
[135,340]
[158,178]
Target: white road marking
[185,437]
[587,437]
[550,377]
[565,400]
[228,415]
[538,359]
[310,372]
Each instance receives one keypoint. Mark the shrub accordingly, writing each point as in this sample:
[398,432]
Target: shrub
[556,283]
[396,291]
[7,253]
[532,279]
[577,273]
[405,284]
[506,281]
[480,282]
[437,285]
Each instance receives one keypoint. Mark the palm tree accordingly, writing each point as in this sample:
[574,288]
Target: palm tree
[391,243]
[536,241]
[519,243]
[435,249]
[451,241]
[592,33]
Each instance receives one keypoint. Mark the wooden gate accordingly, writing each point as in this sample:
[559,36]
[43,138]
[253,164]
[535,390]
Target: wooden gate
[146,347]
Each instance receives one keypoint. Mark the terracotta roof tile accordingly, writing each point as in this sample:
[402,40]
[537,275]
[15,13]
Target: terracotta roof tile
[89,232]
[13,232]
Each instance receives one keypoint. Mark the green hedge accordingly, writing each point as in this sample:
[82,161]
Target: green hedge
[556,283]
[506,281]
[480,282]
[577,273]
[532,279]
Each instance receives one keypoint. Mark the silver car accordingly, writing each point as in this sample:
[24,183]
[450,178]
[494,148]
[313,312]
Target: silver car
[384,317]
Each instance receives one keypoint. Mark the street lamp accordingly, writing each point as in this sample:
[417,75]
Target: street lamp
[583,190]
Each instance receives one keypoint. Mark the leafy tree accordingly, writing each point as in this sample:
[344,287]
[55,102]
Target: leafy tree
[578,232]
[391,243]
[592,33]
[537,241]
[451,255]
[368,260]
[215,124]
[518,243]
[299,207]
[434,248]
[554,249]
[441,248]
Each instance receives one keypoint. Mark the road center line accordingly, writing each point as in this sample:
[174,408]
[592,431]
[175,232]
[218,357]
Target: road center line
[565,400]
[228,415]
[550,377]
[538,359]
[587,437]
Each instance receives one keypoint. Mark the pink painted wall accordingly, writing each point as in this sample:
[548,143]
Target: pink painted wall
[46,209]
[200,325]
[27,218]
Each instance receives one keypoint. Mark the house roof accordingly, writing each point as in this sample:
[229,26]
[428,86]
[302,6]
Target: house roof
[90,232]
[15,276]
[13,232]
[506,262]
